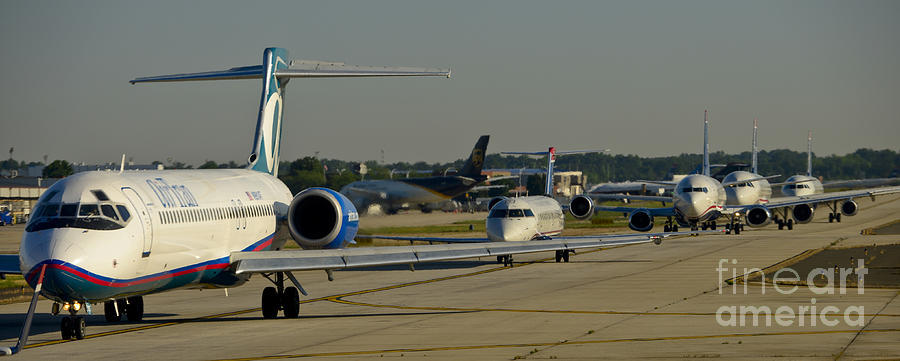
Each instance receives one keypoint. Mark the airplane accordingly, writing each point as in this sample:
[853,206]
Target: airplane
[529,218]
[113,237]
[394,194]
[698,200]
[802,195]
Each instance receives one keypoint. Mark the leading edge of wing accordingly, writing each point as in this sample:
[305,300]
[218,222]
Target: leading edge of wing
[656,212]
[304,260]
[427,239]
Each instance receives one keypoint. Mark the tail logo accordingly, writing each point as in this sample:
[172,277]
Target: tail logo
[477,157]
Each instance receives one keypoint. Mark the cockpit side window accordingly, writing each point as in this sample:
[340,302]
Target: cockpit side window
[516,213]
[529,213]
[124,212]
[109,211]
[498,213]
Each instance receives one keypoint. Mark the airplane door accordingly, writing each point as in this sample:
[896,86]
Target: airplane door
[143,215]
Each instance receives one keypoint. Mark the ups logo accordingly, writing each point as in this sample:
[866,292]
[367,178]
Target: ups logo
[477,157]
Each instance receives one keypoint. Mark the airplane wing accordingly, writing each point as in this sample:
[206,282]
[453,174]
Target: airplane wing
[791,182]
[665,183]
[427,239]
[656,212]
[748,180]
[823,198]
[9,264]
[329,259]
[629,197]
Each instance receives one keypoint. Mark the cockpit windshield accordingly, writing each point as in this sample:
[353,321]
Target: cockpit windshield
[511,213]
[694,189]
[98,216]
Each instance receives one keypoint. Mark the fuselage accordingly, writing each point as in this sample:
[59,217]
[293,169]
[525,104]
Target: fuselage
[698,198]
[807,186]
[747,193]
[524,219]
[398,193]
[105,235]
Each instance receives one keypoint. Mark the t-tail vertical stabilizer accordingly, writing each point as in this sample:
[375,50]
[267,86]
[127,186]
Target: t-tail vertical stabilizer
[275,71]
[706,143]
[754,150]
[809,154]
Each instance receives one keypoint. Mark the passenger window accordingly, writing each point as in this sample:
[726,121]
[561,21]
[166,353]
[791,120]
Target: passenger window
[109,211]
[68,210]
[529,213]
[498,213]
[88,210]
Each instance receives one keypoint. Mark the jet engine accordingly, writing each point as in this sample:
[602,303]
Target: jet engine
[759,216]
[581,207]
[849,208]
[640,220]
[494,201]
[803,213]
[320,218]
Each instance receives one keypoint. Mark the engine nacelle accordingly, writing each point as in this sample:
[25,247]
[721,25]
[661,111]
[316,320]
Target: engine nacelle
[803,213]
[759,216]
[494,202]
[320,218]
[849,208]
[581,207]
[640,220]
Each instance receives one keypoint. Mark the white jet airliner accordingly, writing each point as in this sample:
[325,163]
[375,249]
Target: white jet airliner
[107,237]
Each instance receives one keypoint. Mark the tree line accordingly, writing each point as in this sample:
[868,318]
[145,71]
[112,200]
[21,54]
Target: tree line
[598,167]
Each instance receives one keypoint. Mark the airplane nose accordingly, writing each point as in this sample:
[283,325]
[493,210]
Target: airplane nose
[58,253]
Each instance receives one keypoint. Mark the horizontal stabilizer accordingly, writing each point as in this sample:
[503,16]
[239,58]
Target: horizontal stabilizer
[301,69]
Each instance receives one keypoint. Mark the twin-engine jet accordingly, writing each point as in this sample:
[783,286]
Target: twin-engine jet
[111,237]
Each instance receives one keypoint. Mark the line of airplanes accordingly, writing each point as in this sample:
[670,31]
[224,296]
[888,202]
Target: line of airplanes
[699,200]
[112,237]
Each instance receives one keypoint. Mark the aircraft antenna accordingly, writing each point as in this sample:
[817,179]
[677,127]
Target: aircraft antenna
[706,143]
[122,166]
[809,154]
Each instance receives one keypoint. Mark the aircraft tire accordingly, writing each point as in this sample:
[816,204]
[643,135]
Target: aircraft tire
[565,256]
[65,328]
[837,217]
[79,328]
[109,311]
[830,217]
[500,259]
[270,301]
[737,230]
[134,310]
[559,256]
[290,302]
[790,224]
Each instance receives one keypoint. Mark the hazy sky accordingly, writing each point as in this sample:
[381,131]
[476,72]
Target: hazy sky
[633,76]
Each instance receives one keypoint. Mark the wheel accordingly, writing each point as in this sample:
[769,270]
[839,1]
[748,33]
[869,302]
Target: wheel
[65,328]
[712,226]
[703,226]
[780,226]
[666,228]
[830,217]
[79,328]
[837,217]
[559,256]
[742,227]
[790,224]
[109,310]
[270,301]
[290,302]
[674,228]
[134,310]
[500,260]
[737,230]
[565,256]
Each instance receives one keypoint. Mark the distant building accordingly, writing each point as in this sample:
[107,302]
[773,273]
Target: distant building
[19,195]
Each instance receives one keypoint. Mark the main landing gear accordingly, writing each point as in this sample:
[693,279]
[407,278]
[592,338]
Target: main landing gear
[563,255]
[782,223]
[736,227]
[670,226]
[506,260]
[286,299]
